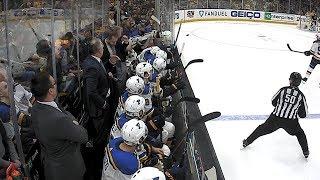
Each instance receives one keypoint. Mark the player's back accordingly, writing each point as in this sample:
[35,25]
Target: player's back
[315,49]
[118,164]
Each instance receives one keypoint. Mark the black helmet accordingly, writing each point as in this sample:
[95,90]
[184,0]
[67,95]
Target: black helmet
[295,79]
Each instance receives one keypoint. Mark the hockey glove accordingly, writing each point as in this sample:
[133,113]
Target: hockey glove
[307,53]
[172,65]
[179,85]
[168,111]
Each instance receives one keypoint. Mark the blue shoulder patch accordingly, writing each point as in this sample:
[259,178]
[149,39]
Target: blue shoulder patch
[126,162]
[125,96]
[154,77]
[149,57]
[146,88]
[122,120]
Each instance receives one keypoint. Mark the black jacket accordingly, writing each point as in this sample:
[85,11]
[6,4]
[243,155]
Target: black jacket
[96,87]
[60,141]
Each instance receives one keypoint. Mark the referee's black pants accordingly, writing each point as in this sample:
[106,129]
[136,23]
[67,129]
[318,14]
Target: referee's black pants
[273,123]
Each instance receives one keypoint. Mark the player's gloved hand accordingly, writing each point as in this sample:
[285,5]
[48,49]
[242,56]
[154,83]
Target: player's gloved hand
[179,85]
[307,53]
[172,65]
[168,111]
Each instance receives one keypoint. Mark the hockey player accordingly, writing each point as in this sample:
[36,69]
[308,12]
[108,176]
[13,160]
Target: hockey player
[153,91]
[131,62]
[148,54]
[134,86]
[159,65]
[315,52]
[134,108]
[289,103]
[121,161]
[145,71]
[148,173]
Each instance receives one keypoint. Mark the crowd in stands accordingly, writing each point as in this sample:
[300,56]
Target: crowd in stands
[105,114]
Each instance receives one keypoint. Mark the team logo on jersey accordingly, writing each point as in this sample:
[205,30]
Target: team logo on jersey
[201,13]
[190,14]
[267,16]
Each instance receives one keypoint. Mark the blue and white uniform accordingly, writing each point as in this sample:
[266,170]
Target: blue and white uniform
[118,124]
[119,164]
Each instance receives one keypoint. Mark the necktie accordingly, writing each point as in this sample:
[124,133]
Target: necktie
[101,63]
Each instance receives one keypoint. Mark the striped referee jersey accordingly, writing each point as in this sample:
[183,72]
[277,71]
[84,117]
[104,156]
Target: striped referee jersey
[289,103]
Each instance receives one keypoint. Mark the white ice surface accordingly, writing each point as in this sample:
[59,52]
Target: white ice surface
[276,156]
[245,64]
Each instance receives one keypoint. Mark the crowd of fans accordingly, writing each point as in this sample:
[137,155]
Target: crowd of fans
[105,114]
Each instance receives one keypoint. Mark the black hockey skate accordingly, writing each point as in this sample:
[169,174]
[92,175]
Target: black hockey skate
[304,80]
[306,154]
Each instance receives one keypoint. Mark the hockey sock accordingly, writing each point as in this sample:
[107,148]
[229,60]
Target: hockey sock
[308,73]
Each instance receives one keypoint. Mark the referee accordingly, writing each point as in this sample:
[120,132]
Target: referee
[289,103]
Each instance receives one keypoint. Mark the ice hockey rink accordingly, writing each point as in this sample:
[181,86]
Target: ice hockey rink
[245,64]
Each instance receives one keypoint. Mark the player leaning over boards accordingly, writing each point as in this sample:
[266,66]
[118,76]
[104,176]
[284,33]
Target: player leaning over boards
[289,103]
[315,51]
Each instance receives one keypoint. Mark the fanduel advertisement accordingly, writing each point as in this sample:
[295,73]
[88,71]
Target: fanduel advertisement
[204,13]
[246,14]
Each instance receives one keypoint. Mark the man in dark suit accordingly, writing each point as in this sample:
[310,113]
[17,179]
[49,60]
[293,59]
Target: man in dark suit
[58,132]
[97,94]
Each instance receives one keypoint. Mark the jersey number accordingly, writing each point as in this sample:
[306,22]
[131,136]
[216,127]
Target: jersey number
[290,99]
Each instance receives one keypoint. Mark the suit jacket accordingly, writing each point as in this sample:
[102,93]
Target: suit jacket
[97,90]
[60,141]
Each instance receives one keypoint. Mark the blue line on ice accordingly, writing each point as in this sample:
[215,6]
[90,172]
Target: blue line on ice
[257,117]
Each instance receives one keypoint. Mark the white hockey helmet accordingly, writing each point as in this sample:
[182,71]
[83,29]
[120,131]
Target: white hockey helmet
[134,132]
[166,36]
[159,64]
[154,50]
[134,106]
[135,85]
[144,70]
[161,54]
[132,55]
[148,173]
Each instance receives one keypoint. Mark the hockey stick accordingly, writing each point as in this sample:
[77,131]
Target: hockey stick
[193,125]
[175,42]
[155,19]
[293,50]
[187,99]
[181,50]
[34,31]
[193,61]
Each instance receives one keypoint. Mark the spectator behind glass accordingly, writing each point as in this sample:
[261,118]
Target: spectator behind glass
[7,149]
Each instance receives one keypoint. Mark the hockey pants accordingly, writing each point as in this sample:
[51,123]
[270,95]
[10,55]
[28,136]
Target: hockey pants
[273,123]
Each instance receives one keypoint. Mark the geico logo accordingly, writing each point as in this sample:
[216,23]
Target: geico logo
[248,14]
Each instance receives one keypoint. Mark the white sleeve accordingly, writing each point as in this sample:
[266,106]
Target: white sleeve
[314,48]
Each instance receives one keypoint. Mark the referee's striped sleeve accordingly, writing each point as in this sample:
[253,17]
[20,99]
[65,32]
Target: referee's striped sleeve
[275,97]
[303,109]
